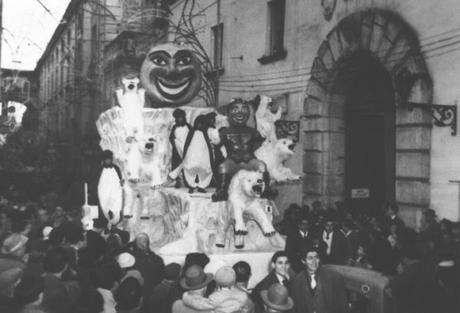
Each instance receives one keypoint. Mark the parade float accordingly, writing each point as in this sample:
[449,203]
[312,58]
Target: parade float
[171,156]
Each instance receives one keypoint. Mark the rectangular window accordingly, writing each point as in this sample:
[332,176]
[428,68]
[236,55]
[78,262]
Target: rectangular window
[275,32]
[276,9]
[218,42]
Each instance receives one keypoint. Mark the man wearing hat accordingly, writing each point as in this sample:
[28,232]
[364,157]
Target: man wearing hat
[316,289]
[228,298]
[276,299]
[194,282]
[126,261]
[280,274]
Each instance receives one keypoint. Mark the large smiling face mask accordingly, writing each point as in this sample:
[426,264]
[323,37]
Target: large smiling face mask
[171,75]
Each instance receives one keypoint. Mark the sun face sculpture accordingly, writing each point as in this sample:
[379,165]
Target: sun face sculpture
[171,75]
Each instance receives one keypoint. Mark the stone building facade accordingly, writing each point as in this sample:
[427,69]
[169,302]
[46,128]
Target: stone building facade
[73,67]
[69,71]
[372,84]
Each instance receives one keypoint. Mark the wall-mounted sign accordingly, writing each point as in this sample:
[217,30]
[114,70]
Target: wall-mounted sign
[360,193]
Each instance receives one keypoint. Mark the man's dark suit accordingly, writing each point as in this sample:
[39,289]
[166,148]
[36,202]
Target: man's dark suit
[339,249]
[295,243]
[264,284]
[329,295]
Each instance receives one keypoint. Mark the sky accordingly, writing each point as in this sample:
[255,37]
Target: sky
[27,28]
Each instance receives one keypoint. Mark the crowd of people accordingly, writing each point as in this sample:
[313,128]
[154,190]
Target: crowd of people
[49,264]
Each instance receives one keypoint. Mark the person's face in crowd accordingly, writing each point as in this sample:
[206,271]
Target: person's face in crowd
[304,225]
[59,211]
[42,216]
[143,242]
[390,212]
[375,223]
[281,266]
[292,216]
[312,261]
[329,226]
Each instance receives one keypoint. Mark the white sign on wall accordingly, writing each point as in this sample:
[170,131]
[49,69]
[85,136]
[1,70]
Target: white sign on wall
[360,193]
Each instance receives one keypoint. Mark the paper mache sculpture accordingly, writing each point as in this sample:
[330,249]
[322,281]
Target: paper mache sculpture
[265,118]
[275,154]
[131,100]
[242,223]
[240,142]
[110,189]
[177,138]
[198,155]
[152,146]
[171,75]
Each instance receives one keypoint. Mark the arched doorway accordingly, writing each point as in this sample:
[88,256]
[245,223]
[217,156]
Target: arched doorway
[359,134]
[369,133]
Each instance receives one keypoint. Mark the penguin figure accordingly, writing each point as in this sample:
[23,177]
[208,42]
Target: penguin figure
[178,136]
[198,156]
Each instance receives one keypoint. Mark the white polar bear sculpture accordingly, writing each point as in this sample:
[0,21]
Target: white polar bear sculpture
[132,100]
[245,189]
[242,222]
[274,154]
[143,167]
[265,118]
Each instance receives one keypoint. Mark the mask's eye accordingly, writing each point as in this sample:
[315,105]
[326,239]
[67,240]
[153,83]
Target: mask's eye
[184,60]
[158,59]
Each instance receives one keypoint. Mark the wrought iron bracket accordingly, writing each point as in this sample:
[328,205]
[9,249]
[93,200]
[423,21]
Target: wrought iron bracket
[443,115]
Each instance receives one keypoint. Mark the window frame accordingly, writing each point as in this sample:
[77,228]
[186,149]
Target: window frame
[275,35]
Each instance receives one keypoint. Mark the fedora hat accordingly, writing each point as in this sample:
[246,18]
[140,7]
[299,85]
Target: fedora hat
[195,278]
[277,297]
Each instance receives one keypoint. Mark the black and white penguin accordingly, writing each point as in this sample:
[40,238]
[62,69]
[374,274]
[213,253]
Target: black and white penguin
[198,158]
[178,136]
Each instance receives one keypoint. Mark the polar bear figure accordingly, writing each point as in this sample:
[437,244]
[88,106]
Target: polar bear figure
[275,154]
[131,99]
[244,191]
[244,221]
[143,167]
[265,118]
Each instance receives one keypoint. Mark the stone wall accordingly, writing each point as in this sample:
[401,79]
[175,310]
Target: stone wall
[425,155]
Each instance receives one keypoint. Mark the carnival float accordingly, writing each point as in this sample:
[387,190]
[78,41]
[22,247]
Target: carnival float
[195,179]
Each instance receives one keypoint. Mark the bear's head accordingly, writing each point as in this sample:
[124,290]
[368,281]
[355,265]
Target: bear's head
[130,83]
[284,148]
[251,183]
[147,147]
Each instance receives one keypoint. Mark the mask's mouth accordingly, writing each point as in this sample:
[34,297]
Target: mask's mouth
[131,86]
[291,146]
[172,90]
